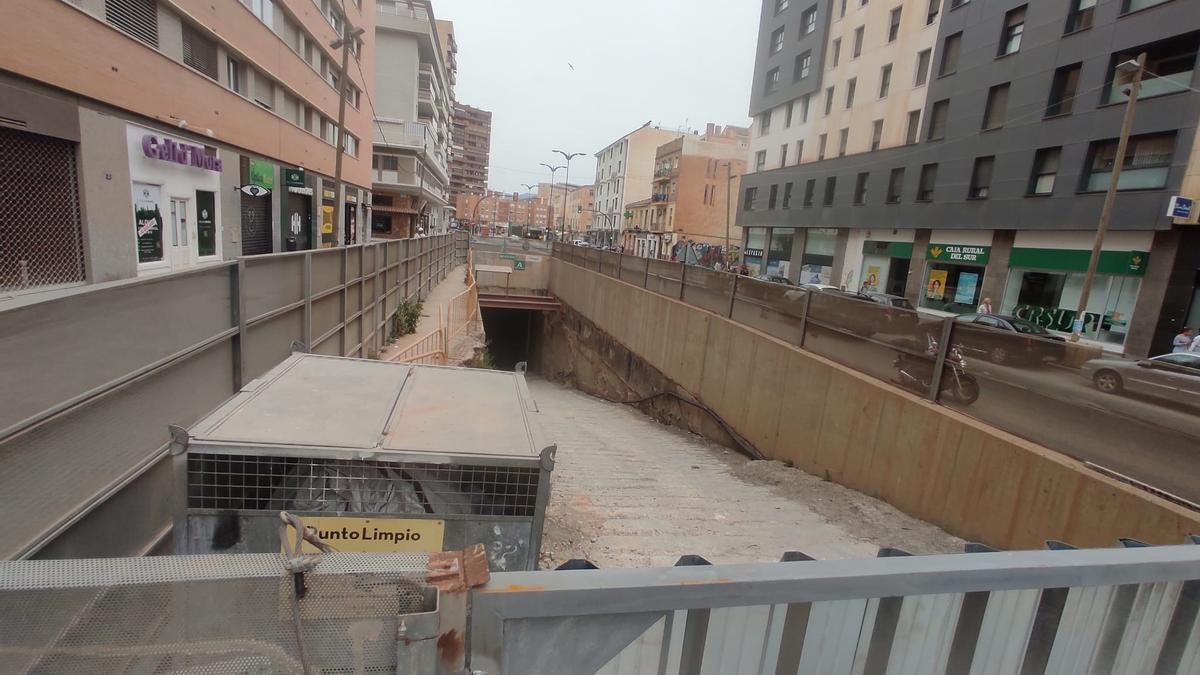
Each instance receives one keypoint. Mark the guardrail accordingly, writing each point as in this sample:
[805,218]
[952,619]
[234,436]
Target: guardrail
[94,375]
[1136,420]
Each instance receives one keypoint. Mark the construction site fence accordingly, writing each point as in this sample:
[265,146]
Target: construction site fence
[93,376]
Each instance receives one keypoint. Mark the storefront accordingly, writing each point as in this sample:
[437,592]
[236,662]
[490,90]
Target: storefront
[820,246]
[779,253]
[296,227]
[176,186]
[885,266]
[1044,286]
[257,193]
[755,248]
[954,275]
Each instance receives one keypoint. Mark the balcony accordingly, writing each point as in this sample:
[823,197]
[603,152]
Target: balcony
[660,197]
[661,175]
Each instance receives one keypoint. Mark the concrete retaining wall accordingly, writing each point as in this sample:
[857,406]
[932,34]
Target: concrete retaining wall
[974,481]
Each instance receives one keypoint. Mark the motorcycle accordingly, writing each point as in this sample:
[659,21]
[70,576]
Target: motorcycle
[958,386]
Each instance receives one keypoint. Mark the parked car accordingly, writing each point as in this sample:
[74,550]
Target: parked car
[1171,377]
[891,300]
[1007,339]
[866,320]
[775,279]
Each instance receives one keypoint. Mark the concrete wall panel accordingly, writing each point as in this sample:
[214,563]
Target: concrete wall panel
[976,482]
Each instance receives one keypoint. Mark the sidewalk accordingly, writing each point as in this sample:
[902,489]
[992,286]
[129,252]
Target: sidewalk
[436,301]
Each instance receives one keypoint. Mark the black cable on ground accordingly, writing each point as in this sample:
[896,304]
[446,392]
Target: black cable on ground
[744,446]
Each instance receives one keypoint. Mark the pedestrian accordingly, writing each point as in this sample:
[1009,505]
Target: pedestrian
[985,307]
[1195,348]
[744,270]
[1182,342]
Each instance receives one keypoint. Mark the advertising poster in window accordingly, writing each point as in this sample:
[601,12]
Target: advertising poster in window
[206,222]
[148,222]
[326,226]
[871,282]
[967,283]
[936,288]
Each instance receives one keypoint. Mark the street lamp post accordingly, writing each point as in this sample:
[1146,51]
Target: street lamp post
[728,205]
[550,212]
[566,186]
[349,35]
[532,211]
[1134,70]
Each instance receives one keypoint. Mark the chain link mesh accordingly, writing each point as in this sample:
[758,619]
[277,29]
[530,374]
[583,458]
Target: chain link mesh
[41,237]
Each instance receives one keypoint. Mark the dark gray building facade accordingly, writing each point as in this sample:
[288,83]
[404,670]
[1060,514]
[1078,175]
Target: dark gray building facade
[1001,193]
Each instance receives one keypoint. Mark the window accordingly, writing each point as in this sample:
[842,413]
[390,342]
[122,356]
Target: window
[830,189]
[776,41]
[787,196]
[937,120]
[828,100]
[860,188]
[760,160]
[922,67]
[851,85]
[810,191]
[842,10]
[1128,6]
[264,91]
[803,66]
[787,115]
[843,140]
[1062,90]
[199,51]
[981,178]
[1045,170]
[136,18]
[764,123]
[835,52]
[350,145]
[783,155]
[772,82]
[821,146]
[1171,61]
[265,11]
[1147,163]
[804,108]
[950,49]
[895,185]
[780,5]
[894,24]
[1014,28]
[1080,15]
[858,42]
[808,21]
[926,184]
[955,4]
[935,7]
[751,197]
[772,197]
[885,80]
[876,134]
[233,70]
[997,104]
[799,151]
[914,127]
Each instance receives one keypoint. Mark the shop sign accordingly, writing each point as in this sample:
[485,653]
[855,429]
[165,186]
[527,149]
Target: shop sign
[186,154]
[888,249]
[376,535]
[293,177]
[519,265]
[1179,207]
[328,195]
[1077,260]
[254,190]
[753,252]
[262,174]
[1060,319]
[148,222]
[959,253]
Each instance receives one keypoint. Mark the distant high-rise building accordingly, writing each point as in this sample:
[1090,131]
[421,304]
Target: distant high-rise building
[623,171]
[472,147]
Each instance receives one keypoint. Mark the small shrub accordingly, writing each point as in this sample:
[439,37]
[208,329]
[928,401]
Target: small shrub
[405,319]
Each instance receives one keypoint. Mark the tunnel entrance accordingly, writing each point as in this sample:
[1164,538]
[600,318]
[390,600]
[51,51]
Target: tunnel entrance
[511,335]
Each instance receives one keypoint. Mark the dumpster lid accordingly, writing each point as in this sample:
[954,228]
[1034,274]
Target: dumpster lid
[326,402]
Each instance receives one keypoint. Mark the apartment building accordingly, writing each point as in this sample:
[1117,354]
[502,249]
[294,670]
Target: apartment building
[988,176]
[143,136]
[508,211]
[572,207]
[623,171]
[412,136]
[472,150]
[691,198]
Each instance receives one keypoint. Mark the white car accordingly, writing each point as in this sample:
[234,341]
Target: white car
[1173,377]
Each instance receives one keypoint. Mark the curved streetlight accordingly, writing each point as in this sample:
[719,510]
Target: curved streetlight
[550,220]
[568,156]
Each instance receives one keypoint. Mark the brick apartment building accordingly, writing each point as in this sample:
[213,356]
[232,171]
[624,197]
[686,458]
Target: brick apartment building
[472,148]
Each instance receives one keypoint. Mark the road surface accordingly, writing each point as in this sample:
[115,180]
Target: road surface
[628,491]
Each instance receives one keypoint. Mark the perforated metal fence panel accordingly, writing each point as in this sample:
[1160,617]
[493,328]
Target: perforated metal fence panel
[41,238]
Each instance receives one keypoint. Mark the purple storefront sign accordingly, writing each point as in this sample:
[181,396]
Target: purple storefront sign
[180,153]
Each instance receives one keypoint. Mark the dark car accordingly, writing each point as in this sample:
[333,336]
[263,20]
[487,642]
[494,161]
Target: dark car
[775,279]
[1007,339]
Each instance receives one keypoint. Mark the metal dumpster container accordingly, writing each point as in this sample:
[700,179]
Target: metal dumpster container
[377,456]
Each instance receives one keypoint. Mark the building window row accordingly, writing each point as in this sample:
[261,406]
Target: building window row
[1146,167]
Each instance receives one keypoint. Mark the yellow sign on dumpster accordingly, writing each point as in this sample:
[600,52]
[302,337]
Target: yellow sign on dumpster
[375,535]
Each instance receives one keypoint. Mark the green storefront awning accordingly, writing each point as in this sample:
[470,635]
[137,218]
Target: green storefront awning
[889,249]
[1071,260]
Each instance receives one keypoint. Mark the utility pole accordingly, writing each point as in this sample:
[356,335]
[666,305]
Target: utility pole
[349,35]
[1136,69]
[728,191]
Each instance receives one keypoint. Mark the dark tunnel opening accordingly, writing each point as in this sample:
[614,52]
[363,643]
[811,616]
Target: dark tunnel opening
[511,335]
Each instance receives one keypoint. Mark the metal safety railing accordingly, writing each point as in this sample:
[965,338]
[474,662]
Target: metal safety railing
[1124,610]
[1014,375]
[460,317]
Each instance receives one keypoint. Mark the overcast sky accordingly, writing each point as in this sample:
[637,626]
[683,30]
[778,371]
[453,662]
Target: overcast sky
[675,62]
